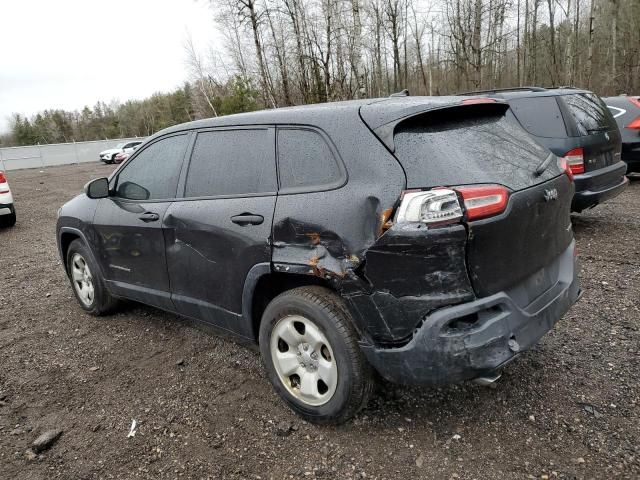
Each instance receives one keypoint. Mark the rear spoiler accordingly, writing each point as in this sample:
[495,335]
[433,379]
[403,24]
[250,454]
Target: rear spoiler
[384,128]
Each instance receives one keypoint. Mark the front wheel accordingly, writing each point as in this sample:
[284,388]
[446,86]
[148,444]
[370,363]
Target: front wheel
[312,357]
[87,282]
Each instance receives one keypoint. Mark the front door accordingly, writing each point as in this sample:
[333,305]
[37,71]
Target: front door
[222,226]
[129,222]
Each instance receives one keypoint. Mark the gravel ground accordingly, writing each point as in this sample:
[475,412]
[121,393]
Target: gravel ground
[568,409]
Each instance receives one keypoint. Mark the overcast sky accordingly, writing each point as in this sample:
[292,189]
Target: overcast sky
[71,53]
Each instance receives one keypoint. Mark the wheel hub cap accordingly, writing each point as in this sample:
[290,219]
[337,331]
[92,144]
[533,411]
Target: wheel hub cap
[303,359]
[82,279]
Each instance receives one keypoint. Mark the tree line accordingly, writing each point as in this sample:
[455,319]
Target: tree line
[287,52]
[302,51]
[134,118]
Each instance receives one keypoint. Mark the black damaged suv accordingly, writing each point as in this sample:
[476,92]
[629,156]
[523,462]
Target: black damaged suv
[427,239]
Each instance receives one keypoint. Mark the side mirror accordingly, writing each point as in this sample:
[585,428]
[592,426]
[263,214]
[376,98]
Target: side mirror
[98,188]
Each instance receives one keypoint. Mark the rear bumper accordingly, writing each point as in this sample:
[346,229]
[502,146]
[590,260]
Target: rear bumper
[631,156]
[598,186]
[6,209]
[477,338]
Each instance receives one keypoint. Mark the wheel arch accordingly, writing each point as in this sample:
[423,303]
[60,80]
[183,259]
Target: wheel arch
[262,285]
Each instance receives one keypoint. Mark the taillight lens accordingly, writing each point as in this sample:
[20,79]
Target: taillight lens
[635,125]
[442,206]
[485,201]
[563,165]
[4,186]
[575,160]
[635,101]
[432,207]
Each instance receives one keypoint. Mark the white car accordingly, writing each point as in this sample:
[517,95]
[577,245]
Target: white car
[109,156]
[7,210]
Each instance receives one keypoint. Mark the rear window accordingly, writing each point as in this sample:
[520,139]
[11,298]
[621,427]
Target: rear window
[467,145]
[540,116]
[589,112]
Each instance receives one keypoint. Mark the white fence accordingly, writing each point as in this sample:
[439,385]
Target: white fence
[39,156]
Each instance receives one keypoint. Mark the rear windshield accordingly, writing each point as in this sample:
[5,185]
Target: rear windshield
[589,112]
[540,116]
[467,145]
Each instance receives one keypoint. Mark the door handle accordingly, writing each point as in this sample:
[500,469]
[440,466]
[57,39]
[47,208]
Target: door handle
[149,217]
[245,219]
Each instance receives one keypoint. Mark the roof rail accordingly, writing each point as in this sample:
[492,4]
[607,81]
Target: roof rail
[498,90]
[568,87]
[401,93]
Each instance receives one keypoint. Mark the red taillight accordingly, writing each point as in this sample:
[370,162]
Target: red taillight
[635,125]
[475,101]
[485,201]
[635,101]
[562,163]
[3,179]
[4,186]
[575,160]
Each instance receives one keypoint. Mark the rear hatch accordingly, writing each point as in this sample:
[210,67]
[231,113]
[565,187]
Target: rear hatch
[593,127]
[475,144]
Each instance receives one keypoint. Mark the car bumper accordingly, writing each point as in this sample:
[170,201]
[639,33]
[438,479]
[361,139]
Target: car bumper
[598,186]
[631,156]
[6,209]
[475,339]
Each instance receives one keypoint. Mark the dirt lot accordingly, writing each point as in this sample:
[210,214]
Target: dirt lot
[568,409]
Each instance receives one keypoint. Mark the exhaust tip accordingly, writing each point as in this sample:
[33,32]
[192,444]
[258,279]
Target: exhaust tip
[487,380]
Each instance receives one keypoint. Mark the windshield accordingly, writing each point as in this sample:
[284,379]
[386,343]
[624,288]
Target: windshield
[120,145]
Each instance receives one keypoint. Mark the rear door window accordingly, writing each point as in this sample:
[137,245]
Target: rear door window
[540,116]
[589,113]
[232,162]
[306,161]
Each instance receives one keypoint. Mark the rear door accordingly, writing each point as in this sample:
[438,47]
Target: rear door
[593,127]
[129,222]
[221,226]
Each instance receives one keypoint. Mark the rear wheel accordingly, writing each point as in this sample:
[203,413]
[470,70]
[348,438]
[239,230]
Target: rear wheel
[7,221]
[312,357]
[87,282]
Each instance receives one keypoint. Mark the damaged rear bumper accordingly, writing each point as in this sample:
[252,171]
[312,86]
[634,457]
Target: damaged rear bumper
[477,338]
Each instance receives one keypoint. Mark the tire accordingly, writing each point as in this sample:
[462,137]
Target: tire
[100,302]
[7,221]
[308,359]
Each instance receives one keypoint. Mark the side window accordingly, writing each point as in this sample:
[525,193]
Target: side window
[539,116]
[305,159]
[232,162]
[153,173]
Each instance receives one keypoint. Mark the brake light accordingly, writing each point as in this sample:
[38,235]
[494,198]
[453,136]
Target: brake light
[575,160]
[563,165]
[4,186]
[635,125]
[635,101]
[441,206]
[475,101]
[485,201]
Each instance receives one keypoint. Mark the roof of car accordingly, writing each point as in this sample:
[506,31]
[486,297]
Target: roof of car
[375,112]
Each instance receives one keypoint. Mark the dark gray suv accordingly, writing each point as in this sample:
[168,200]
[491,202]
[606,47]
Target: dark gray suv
[574,124]
[427,239]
